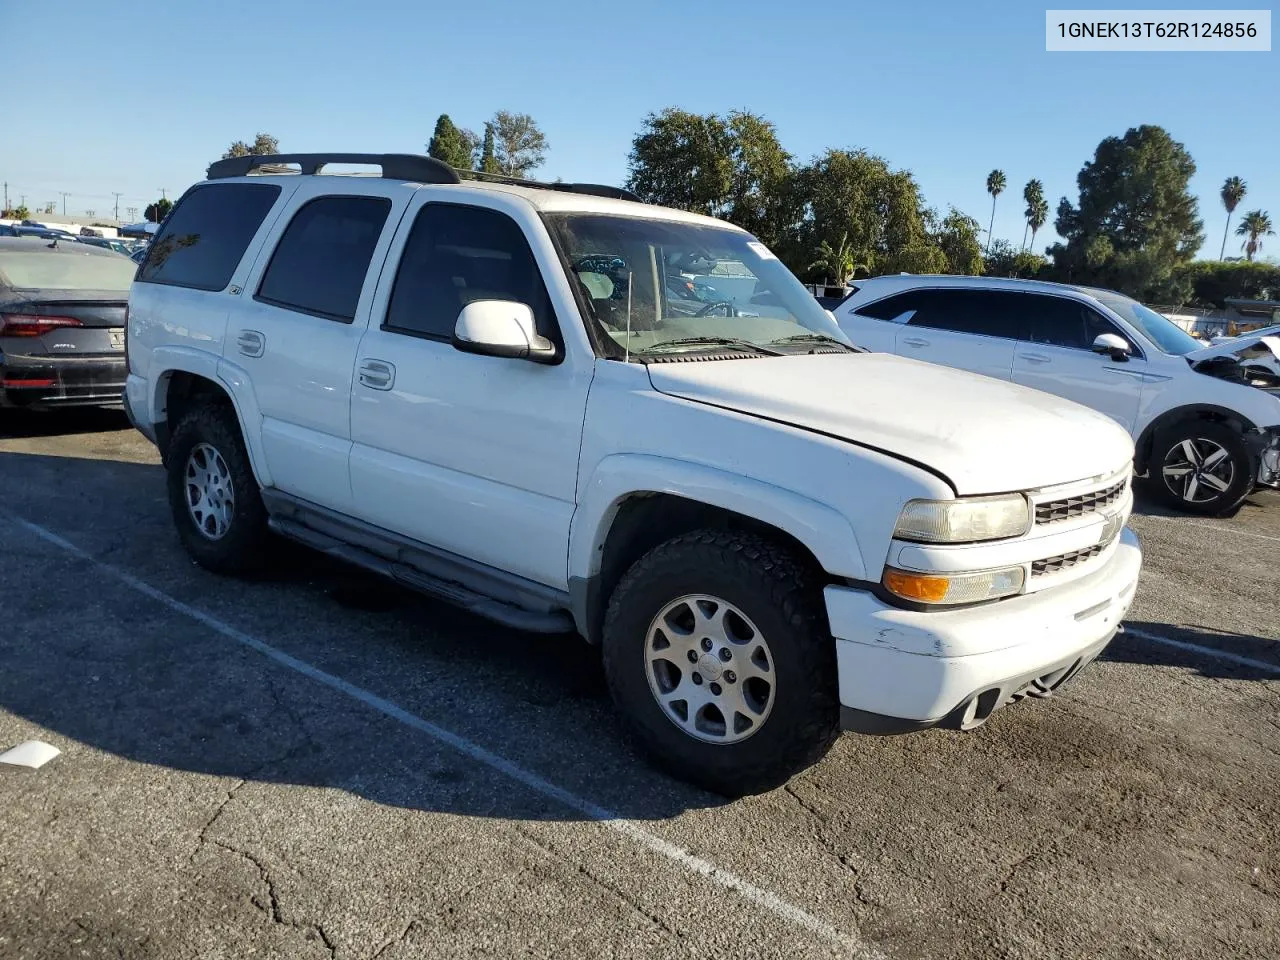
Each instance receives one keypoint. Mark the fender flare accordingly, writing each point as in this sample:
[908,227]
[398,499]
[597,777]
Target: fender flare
[1175,415]
[233,381]
[825,531]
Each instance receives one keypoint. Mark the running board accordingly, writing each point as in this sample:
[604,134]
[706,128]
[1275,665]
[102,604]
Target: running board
[549,620]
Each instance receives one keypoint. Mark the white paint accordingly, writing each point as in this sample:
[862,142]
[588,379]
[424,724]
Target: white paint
[33,753]
[1206,651]
[758,896]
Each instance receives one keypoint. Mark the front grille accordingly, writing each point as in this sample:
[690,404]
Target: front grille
[1054,510]
[1064,561]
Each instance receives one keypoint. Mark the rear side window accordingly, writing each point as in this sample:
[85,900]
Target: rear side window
[456,254]
[986,313]
[205,236]
[321,261]
[890,308]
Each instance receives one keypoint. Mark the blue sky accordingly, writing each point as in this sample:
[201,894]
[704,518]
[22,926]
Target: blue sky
[948,90]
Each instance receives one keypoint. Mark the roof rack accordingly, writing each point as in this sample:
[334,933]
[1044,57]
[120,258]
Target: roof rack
[589,189]
[395,166]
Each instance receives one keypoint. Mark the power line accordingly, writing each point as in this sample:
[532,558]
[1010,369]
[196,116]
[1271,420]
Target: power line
[64,201]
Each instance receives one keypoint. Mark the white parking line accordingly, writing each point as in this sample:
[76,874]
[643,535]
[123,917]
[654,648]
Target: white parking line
[1206,651]
[705,868]
[1209,526]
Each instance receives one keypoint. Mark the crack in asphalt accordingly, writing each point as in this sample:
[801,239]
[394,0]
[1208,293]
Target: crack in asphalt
[603,884]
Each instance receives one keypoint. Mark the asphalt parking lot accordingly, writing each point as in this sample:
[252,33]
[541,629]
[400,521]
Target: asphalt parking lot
[319,765]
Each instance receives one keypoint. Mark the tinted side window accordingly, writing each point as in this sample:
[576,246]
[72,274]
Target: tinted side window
[322,258]
[986,313]
[1059,322]
[456,254]
[890,308]
[205,236]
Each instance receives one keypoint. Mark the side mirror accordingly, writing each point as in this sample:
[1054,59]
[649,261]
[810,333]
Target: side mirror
[501,328]
[1113,344]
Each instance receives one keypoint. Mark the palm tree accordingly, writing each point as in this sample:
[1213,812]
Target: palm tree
[837,261]
[1036,216]
[1233,192]
[995,187]
[1255,225]
[1033,193]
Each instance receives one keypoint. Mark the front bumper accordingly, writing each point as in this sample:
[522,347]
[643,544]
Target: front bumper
[47,382]
[903,670]
[1267,447]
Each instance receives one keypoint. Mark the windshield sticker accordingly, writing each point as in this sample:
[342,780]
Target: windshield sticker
[761,251]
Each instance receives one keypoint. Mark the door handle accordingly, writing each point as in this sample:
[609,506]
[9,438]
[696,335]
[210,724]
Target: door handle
[1034,357]
[251,343]
[915,341]
[377,374]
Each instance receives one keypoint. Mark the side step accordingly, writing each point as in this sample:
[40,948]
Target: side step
[450,591]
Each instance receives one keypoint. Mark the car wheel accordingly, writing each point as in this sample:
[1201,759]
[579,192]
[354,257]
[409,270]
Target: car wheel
[717,653]
[1202,467]
[217,506]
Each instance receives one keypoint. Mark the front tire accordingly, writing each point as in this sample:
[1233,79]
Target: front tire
[1202,467]
[718,656]
[216,503]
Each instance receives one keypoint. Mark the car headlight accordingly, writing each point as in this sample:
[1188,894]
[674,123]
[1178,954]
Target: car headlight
[966,520]
[948,588]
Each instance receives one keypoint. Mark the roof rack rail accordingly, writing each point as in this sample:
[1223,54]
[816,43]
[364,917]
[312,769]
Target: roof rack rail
[589,189]
[395,166]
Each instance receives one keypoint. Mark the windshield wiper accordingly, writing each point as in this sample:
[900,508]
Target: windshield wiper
[813,338]
[715,342]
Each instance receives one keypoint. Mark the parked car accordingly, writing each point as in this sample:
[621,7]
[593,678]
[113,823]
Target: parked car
[770,534]
[107,243]
[62,310]
[1203,434]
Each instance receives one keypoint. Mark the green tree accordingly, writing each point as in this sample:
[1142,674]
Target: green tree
[156,212]
[449,145]
[263,145]
[1136,221]
[519,145]
[995,186]
[854,194]
[1004,261]
[731,167]
[838,262]
[1037,215]
[1233,191]
[1254,225]
[957,237]
[17,213]
[1033,194]
[488,162]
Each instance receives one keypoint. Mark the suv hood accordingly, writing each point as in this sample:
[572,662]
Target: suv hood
[983,435]
[1268,346]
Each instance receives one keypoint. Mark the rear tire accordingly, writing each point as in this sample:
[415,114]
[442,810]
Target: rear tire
[1202,467]
[216,503]
[776,714]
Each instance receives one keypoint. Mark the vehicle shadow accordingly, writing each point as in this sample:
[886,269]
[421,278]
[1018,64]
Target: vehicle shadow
[92,658]
[1145,503]
[1166,645]
[24,424]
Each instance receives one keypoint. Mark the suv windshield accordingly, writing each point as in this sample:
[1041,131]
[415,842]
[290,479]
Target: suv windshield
[655,287]
[1160,330]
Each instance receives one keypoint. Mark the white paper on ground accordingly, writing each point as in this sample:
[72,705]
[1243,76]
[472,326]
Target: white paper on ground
[33,754]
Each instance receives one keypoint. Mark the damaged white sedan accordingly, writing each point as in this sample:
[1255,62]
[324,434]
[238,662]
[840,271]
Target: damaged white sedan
[1205,420]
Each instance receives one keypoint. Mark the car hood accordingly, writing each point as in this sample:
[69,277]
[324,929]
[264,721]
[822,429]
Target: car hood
[1238,347]
[982,435]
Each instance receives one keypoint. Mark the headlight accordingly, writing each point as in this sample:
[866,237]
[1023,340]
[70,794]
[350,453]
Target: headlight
[954,587]
[966,520]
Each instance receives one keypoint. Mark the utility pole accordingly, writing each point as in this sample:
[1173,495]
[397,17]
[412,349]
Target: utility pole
[64,201]
[117,196]
[6,194]
[162,196]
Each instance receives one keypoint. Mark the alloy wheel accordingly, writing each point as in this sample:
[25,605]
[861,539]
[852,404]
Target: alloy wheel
[1198,470]
[210,494]
[710,669]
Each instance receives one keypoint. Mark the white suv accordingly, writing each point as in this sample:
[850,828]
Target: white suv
[1205,422]
[571,412]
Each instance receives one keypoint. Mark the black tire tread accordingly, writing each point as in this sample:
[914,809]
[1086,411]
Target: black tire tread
[242,551]
[785,584]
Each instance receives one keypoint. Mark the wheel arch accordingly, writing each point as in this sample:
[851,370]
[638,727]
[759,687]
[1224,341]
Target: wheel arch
[637,502]
[1176,417]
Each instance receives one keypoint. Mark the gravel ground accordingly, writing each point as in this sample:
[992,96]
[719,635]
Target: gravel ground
[316,764]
